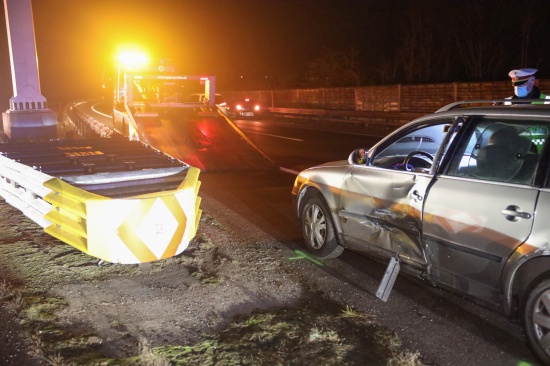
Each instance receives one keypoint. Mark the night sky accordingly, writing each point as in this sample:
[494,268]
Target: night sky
[77,41]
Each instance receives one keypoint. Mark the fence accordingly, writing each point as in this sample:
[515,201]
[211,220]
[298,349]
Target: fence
[420,98]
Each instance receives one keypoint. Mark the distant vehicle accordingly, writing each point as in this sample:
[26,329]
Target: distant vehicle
[246,108]
[459,198]
[144,94]
[202,98]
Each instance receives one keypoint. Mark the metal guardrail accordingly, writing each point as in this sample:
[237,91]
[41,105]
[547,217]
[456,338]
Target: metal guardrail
[125,230]
[86,125]
[23,188]
[118,200]
[391,117]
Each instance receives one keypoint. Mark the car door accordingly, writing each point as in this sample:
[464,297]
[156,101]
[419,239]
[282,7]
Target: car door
[381,203]
[477,213]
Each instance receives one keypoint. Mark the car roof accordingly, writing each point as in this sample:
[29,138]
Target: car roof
[495,107]
[492,104]
[486,108]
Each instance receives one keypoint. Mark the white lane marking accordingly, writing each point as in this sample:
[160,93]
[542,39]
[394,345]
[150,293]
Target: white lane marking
[286,170]
[305,127]
[281,137]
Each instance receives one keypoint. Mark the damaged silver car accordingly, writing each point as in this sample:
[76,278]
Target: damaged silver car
[460,198]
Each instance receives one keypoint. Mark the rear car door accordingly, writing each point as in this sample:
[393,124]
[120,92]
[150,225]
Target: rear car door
[481,208]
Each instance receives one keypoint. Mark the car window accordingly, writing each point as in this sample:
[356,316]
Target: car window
[426,139]
[194,98]
[500,150]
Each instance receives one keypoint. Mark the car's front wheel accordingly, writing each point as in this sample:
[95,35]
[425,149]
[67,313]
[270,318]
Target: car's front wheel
[318,228]
[536,320]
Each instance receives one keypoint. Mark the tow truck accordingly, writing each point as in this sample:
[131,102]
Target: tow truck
[140,94]
[180,115]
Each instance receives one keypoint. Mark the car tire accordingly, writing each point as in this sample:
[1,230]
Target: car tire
[317,228]
[536,320]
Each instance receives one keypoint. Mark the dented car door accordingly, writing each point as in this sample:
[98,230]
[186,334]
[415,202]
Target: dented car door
[382,208]
[381,203]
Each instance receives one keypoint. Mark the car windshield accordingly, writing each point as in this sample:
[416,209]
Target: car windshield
[426,139]
[193,98]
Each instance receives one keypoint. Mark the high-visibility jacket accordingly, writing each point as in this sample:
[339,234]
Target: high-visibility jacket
[543,96]
[536,95]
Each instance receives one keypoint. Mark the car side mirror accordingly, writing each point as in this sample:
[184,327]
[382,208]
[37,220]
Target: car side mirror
[358,156]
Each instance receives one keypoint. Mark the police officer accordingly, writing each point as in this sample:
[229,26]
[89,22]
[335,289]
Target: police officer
[523,81]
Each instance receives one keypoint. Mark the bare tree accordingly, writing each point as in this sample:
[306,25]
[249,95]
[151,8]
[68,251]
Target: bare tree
[526,22]
[335,68]
[424,54]
[468,39]
[440,41]
[416,55]
[482,33]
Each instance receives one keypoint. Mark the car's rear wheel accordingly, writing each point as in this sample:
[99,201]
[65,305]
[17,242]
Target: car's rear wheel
[318,228]
[536,320]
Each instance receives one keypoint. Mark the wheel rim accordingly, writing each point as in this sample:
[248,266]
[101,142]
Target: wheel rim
[541,320]
[315,226]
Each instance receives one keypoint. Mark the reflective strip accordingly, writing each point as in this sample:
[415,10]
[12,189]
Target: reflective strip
[127,230]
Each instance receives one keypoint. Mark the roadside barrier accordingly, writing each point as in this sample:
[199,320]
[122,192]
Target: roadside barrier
[137,229]
[86,125]
[119,200]
[23,187]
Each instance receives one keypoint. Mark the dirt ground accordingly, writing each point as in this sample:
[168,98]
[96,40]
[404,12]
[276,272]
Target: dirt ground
[234,297]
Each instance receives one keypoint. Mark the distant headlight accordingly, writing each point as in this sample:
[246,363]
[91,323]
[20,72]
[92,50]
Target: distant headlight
[238,107]
[256,107]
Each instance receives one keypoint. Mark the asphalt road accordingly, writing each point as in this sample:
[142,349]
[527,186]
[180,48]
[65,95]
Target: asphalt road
[445,328]
[296,148]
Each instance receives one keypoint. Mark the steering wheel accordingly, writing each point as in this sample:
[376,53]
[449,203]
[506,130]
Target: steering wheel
[414,153]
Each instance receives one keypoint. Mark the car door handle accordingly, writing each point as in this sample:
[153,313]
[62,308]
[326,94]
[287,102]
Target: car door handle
[417,195]
[511,213]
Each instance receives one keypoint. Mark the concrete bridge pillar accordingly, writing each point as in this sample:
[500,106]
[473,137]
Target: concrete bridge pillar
[28,116]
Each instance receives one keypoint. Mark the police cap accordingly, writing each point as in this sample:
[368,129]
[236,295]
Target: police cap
[521,76]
